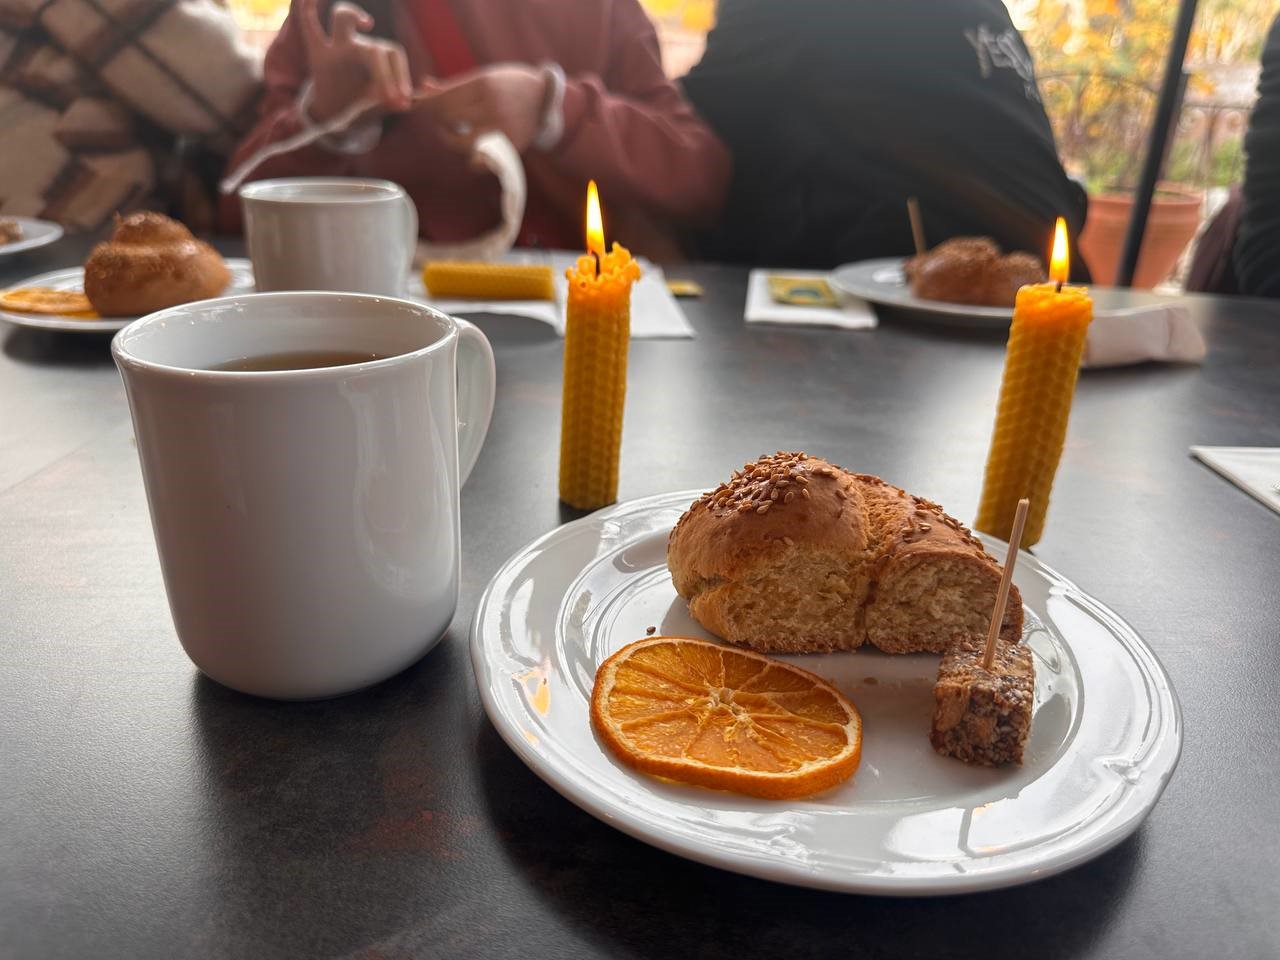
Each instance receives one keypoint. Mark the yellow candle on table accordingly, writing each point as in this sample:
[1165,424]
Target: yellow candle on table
[488,281]
[1041,363]
[596,339]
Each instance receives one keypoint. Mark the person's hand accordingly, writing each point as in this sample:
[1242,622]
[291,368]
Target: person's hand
[508,97]
[346,67]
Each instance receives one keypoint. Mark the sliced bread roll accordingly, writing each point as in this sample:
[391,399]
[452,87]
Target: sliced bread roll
[796,555]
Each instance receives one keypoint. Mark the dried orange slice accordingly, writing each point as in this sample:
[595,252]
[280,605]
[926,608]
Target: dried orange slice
[724,718]
[47,300]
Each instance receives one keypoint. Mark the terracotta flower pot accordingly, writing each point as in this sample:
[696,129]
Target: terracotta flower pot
[1174,217]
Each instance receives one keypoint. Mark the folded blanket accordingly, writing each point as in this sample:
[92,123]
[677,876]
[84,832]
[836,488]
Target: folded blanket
[93,93]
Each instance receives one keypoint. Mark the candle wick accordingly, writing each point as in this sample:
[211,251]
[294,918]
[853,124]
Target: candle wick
[1059,289]
[595,256]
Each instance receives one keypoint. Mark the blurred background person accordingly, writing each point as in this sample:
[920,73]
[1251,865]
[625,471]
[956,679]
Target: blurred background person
[1257,242]
[837,111]
[104,113]
[576,85]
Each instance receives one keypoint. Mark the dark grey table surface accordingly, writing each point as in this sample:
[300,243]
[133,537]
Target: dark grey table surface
[147,812]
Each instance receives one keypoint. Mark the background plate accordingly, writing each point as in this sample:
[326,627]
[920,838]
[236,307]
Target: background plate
[882,282]
[1105,739]
[35,233]
[73,279]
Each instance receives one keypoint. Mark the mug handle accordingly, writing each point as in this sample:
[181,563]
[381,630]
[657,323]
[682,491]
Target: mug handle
[411,226]
[477,381]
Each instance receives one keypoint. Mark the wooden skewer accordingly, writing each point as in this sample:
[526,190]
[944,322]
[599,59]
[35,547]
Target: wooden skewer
[917,227]
[1002,594]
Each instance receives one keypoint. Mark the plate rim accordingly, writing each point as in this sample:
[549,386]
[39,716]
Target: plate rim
[56,232]
[974,314]
[781,871]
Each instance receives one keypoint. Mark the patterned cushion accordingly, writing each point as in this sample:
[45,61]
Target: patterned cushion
[92,92]
[47,178]
[180,63]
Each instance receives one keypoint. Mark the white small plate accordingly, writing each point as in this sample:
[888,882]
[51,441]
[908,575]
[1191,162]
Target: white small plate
[73,279]
[1106,736]
[882,281]
[35,233]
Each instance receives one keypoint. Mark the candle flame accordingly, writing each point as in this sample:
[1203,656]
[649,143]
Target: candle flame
[1060,258]
[595,221]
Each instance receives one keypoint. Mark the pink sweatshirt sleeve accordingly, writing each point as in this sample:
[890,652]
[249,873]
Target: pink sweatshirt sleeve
[635,133]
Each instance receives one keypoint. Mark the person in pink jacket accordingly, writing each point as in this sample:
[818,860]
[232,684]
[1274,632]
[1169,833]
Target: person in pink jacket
[576,85]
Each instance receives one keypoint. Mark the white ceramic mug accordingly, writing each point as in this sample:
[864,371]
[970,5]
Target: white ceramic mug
[307,520]
[330,233]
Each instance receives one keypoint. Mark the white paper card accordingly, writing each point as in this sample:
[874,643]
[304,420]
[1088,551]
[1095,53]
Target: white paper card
[1255,470]
[852,314]
[1163,332]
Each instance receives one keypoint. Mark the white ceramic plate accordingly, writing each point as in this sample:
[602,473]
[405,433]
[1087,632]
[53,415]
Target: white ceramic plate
[1105,739]
[883,282]
[73,279]
[35,233]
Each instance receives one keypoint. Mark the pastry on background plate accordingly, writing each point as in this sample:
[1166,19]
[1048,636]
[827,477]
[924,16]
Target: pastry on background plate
[796,555]
[10,231]
[151,262]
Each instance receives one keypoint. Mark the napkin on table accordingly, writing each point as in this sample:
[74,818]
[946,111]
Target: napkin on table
[852,314]
[1255,470]
[1160,331]
[655,313]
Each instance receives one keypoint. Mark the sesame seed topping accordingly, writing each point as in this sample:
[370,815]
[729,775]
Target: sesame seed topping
[772,479]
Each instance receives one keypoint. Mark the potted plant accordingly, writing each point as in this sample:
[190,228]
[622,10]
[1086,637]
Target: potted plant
[1172,222]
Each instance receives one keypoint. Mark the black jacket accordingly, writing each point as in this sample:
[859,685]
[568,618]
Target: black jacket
[1257,248]
[836,111]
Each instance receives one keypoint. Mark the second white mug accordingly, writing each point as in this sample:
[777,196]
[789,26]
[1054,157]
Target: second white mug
[330,233]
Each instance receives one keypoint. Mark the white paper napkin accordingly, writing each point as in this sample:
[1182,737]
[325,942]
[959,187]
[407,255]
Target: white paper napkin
[1255,470]
[1160,331]
[655,312]
[852,314]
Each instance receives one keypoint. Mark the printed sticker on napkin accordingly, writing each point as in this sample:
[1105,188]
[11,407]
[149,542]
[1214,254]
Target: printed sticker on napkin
[763,307]
[1161,331]
[1255,470]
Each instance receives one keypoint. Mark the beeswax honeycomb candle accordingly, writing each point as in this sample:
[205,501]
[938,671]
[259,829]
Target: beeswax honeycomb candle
[596,341]
[488,281]
[1041,363]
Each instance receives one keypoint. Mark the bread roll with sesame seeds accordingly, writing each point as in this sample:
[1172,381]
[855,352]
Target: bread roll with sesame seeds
[797,555]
